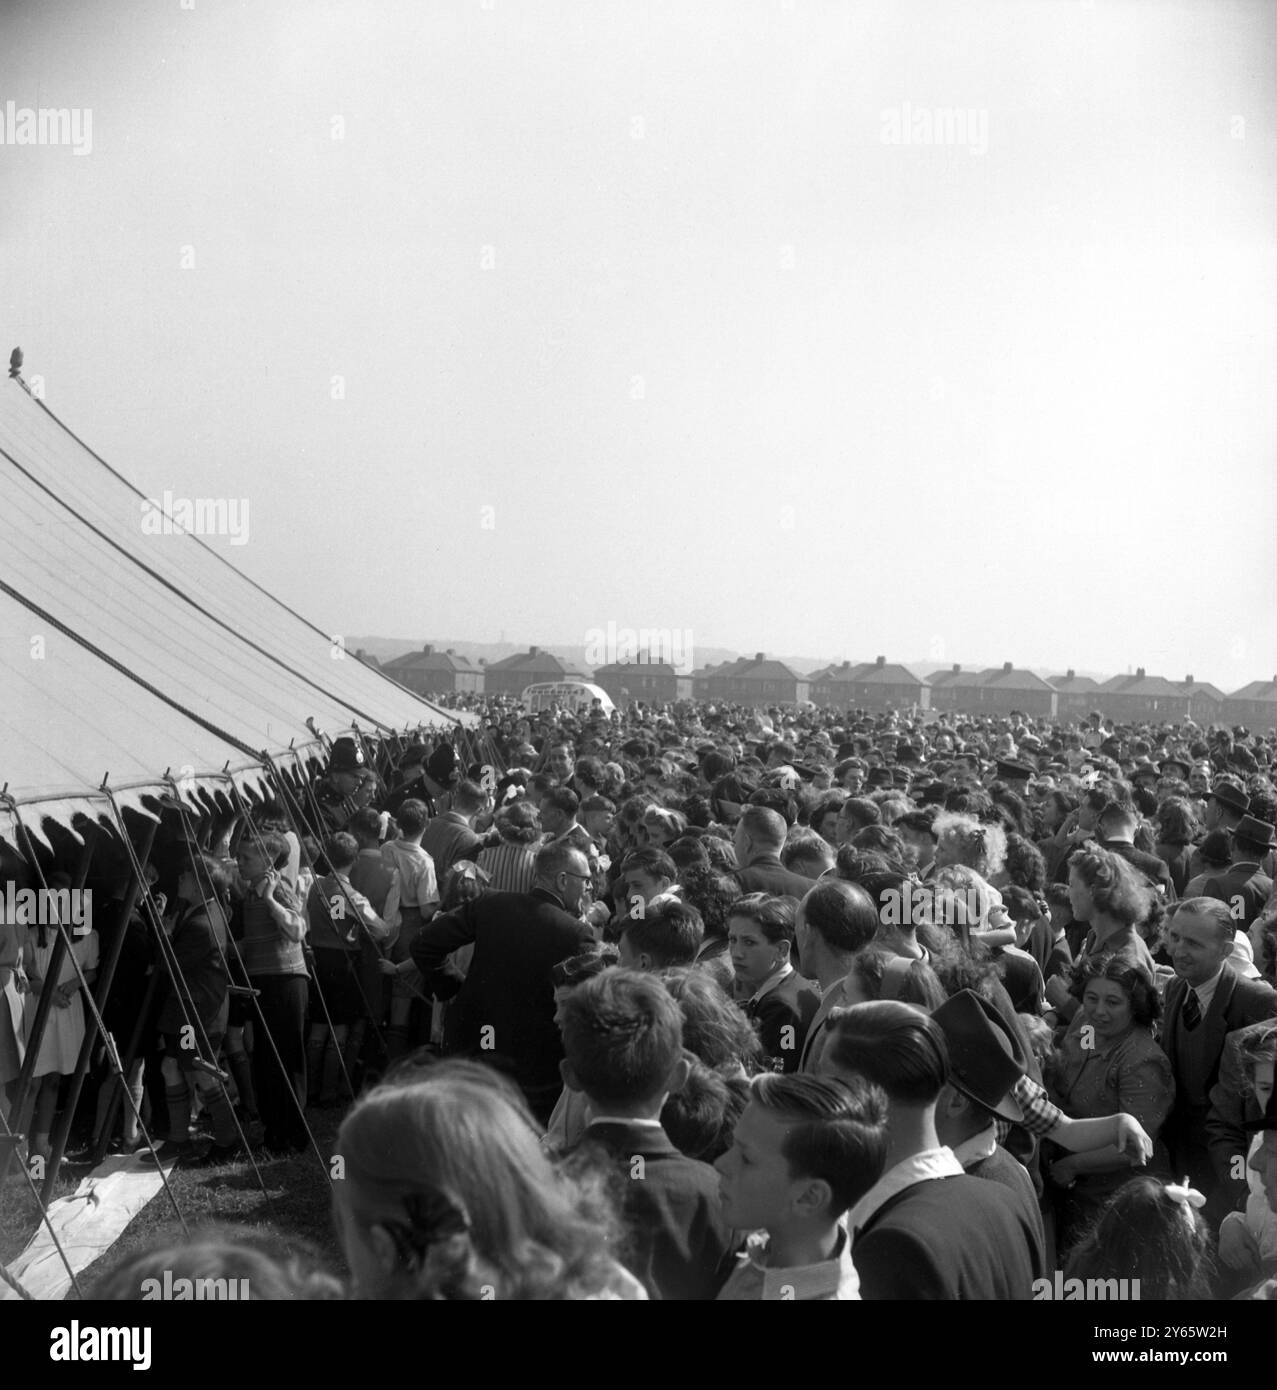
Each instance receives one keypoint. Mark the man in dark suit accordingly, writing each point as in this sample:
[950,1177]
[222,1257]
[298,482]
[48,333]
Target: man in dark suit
[760,834]
[1245,887]
[1116,827]
[926,1230]
[1205,1002]
[623,1039]
[503,1011]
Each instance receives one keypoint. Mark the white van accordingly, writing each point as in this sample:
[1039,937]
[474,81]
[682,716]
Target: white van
[575,696]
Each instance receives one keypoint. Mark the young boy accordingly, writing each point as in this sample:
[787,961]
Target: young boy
[418,902]
[623,1046]
[340,918]
[272,926]
[805,1150]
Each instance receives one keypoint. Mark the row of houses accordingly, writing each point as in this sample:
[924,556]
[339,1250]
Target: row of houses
[870,685]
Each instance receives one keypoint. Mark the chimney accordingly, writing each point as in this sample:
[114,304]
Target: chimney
[956,668]
[1070,674]
[1188,680]
[483,661]
[534,651]
[1006,668]
[359,655]
[759,656]
[881,661]
[428,649]
[451,652]
[1139,673]
[846,666]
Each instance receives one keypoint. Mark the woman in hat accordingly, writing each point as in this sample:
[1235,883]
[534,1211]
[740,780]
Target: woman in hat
[1106,1064]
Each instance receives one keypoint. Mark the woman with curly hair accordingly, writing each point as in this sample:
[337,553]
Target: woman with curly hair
[961,839]
[663,826]
[967,904]
[1178,827]
[714,1029]
[511,863]
[1025,866]
[1108,1063]
[1114,900]
[448,1194]
[878,974]
[975,911]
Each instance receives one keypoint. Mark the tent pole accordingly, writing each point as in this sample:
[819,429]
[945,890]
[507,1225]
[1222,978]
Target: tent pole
[105,978]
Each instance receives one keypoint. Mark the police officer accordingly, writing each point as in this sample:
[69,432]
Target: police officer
[335,790]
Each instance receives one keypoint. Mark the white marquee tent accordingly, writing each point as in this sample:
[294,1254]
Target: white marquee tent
[136,657]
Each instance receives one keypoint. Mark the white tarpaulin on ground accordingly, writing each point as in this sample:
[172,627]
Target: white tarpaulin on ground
[87,1223]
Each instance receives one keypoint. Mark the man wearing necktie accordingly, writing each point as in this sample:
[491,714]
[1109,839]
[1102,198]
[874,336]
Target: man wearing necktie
[1205,1002]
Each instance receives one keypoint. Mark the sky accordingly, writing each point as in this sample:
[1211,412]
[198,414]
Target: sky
[528,318]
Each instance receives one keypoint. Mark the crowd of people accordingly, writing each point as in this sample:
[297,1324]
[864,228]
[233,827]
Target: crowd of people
[708,1002]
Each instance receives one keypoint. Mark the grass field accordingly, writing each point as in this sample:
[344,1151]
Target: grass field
[296,1204]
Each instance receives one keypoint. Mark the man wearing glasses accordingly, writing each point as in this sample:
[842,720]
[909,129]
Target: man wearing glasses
[503,1008]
